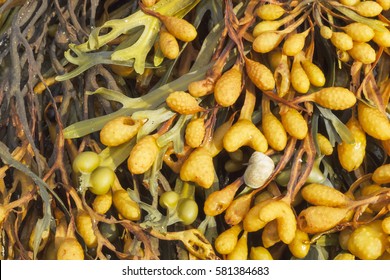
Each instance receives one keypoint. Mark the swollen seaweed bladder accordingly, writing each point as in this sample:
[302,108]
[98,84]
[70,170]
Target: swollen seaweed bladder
[187,129]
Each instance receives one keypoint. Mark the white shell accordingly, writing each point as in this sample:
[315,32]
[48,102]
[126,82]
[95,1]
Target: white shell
[260,167]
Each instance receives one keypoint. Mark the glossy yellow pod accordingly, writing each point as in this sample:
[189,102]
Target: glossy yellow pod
[351,156]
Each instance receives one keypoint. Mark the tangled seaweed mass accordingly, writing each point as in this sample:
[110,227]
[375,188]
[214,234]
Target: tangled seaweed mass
[188,129]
